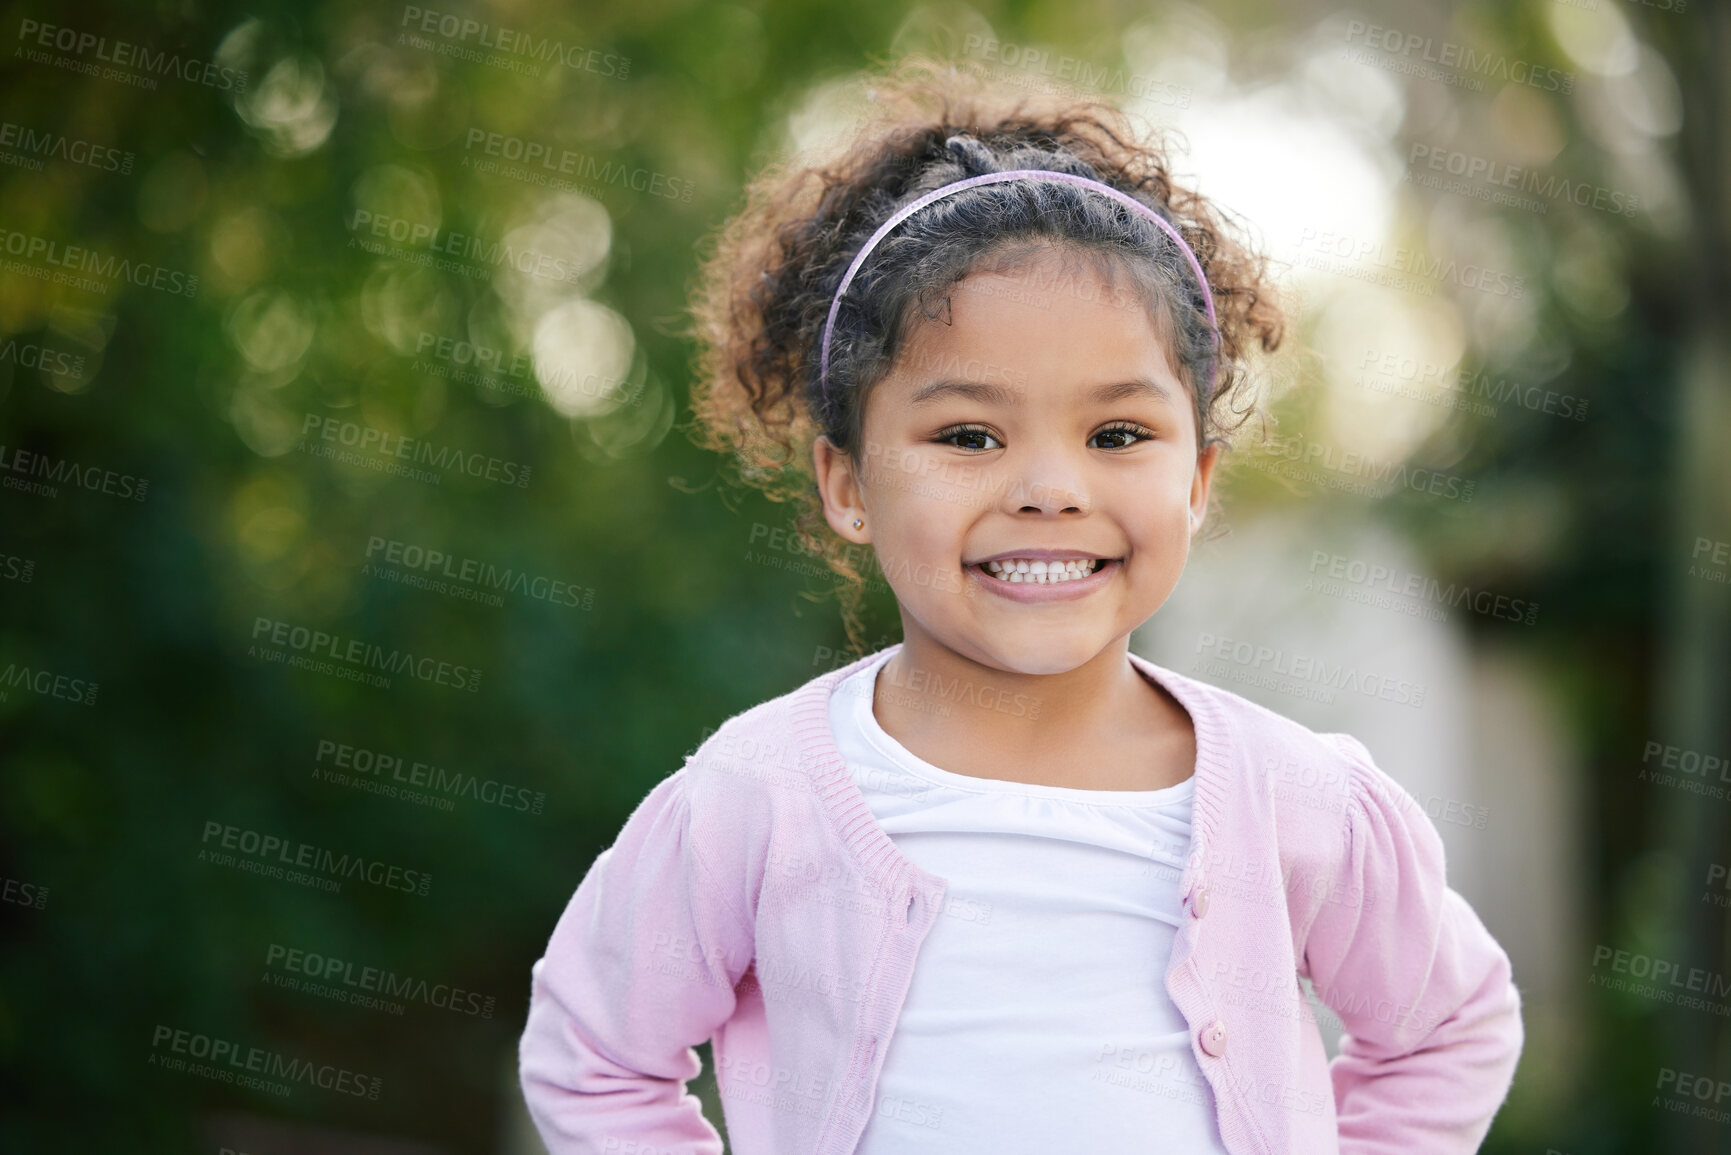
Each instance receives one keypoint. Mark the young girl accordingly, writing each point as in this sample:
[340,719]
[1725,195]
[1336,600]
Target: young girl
[1006,887]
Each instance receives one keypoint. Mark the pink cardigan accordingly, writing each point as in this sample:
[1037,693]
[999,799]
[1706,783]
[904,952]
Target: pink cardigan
[752,899]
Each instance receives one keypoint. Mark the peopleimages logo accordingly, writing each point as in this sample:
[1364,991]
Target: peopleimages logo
[273,852]
[1329,570]
[1658,759]
[1040,63]
[1681,1086]
[1276,668]
[21,893]
[317,973]
[54,472]
[229,1062]
[36,145]
[1468,67]
[508,48]
[556,161]
[411,564]
[1371,260]
[1666,980]
[495,370]
[357,657]
[1461,387]
[53,362]
[359,766]
[122,55]
[1717,560]
[1353,472]
[88,269]
[440,243]
[17,569]
[396,447]
[48,683]
[1511,176]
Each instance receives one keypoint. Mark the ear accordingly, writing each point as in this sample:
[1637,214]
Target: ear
[1202,482]
[838,483]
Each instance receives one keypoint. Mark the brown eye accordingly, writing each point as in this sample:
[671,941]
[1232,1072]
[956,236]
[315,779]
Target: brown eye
[1120,436]
[970,437]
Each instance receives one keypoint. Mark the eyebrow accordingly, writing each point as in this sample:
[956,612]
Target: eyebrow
[990,394]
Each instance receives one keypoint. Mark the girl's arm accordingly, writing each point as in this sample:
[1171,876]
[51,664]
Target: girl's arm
[1432,1020]
[640,968]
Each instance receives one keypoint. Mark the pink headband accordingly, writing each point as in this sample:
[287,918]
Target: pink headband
[909,210]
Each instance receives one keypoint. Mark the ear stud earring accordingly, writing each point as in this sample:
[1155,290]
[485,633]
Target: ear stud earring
[858,524]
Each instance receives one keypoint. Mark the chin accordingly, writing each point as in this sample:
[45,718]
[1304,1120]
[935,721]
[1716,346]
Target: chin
[1036,654]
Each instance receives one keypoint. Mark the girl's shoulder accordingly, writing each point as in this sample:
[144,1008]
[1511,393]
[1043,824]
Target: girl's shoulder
[776,756]
[1248,738]
[769,795]
[784,732]
[1319,781]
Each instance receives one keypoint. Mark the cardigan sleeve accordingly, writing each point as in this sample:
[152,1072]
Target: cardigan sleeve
[640,968]
[1431,1016]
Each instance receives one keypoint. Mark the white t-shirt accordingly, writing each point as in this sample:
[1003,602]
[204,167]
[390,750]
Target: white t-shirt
[1037,1019]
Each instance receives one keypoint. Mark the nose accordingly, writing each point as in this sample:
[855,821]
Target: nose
[1049,481]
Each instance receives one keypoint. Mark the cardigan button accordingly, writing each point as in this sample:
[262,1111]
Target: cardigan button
[1199,902]
[1213,1039]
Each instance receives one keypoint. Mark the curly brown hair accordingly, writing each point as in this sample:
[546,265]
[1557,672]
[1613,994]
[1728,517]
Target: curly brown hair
[763,293]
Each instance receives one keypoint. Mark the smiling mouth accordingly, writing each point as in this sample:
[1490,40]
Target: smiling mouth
[1024,570]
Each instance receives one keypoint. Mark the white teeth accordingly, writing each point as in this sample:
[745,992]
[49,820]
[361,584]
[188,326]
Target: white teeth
[1038,572]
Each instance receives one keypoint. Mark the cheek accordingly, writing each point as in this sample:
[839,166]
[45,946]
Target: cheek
[1160,524]
[916,493]
[898,481]
[902,519]
[1169,536]
[929,528]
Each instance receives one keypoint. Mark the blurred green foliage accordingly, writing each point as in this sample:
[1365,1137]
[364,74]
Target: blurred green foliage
[156,601]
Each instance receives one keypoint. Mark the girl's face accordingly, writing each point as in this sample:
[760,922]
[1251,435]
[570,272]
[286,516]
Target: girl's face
[1037,430]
